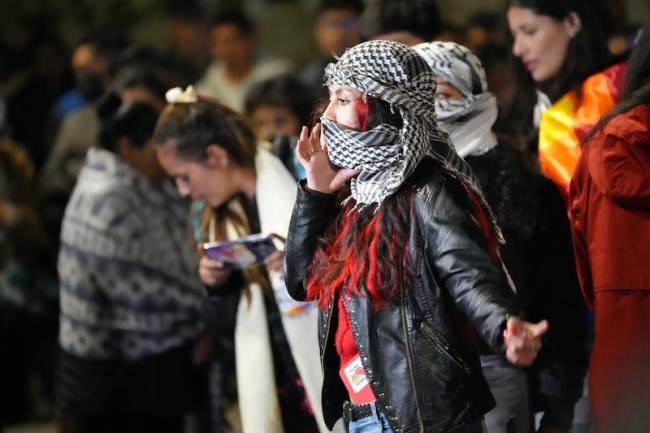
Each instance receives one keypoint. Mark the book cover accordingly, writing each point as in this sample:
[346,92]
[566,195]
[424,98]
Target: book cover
[241,253]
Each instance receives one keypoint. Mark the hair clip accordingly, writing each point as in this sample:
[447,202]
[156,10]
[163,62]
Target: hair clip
[180,96]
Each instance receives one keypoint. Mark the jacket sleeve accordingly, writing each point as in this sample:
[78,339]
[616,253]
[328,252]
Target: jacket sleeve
[312,214]
[577,203]
[457,252]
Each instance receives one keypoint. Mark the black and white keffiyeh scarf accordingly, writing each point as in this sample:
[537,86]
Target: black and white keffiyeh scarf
[468,121]
[386,156]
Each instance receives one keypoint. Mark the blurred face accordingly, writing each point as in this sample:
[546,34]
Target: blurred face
[143,159]
[404,37]
[211,180]
[447,91]
[190,39]
[342,107]
[336,30]
[540,42]
[268,120]
[91,71]
[229,44]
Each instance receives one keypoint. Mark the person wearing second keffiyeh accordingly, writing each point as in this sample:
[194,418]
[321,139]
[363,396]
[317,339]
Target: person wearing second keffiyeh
[393,239]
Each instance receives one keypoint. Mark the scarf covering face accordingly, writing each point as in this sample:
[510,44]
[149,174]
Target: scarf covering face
[386,156]
[469,121]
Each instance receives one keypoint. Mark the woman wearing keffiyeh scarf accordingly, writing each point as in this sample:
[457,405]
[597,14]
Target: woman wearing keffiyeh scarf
[531,213]
[393,239]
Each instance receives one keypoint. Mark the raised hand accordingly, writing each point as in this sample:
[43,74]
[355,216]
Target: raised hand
[322,176]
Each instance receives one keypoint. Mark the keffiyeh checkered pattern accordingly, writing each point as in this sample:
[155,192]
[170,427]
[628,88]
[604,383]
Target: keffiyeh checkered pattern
[468,120]
[385,156]
[459,67]
[393,72]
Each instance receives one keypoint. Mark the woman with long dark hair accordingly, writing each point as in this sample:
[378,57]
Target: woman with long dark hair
[564,83]
[609,210]
[394,241]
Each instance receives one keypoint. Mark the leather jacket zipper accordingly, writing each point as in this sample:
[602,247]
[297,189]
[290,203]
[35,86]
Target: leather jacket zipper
[444,347]
[330,309]
[409,358]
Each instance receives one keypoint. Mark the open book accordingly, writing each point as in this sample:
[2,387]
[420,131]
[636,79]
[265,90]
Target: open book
[241,253]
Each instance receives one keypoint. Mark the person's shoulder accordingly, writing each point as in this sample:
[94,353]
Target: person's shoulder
[633,122]
[615,71]
[437,190]
[83,122]
[427,175]
[270,168]
[618,158]
[269,68]
[610,79]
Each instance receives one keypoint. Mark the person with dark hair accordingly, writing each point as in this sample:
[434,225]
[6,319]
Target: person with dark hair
[131,305]
[92,60]
[78,133]
[532,215]
[483,28]
[276,109]
[278,105]
[46,77]
[609,204]
[336,28]
[393,239]
[408,21]
[187,32]
[28,295]
[213,156]
[562,51]
[235,67]
[496,62]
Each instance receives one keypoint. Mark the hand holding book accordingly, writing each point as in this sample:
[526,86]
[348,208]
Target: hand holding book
[251,250]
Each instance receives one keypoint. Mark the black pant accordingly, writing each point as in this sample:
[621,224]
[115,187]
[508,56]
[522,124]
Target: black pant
[123,423]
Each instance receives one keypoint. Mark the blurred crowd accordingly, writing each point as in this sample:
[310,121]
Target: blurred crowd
[108,317]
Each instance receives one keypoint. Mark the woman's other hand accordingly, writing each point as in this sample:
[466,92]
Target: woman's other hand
[312,154]
[275,261]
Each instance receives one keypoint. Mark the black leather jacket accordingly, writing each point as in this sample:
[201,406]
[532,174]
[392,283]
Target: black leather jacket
[419,352]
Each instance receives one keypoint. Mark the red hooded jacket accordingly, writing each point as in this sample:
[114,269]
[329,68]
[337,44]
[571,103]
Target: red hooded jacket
[609,205]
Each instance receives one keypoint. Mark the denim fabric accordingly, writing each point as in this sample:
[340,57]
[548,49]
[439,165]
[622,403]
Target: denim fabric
[375,423]
[378,423]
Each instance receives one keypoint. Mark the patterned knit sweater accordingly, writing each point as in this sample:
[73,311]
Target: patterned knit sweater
[128,281]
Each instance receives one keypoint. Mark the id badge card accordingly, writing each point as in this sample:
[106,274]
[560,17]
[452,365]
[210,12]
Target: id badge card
[357,383]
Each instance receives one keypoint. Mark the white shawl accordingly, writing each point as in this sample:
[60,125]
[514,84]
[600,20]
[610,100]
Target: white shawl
[258,402]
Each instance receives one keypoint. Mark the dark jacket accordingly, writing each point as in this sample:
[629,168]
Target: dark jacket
[418,352]
[539,256]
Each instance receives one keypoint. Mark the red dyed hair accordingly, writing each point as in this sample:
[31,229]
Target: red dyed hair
[360,109]
[363,249]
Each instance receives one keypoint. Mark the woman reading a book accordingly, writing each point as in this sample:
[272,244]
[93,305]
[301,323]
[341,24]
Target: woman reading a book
[394,241]
[213,156]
